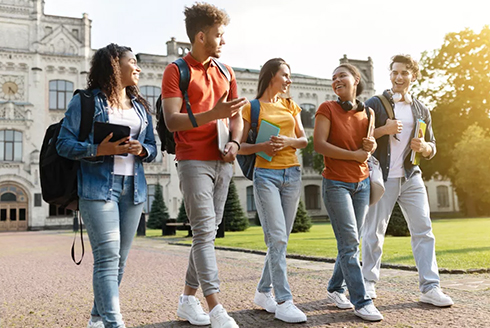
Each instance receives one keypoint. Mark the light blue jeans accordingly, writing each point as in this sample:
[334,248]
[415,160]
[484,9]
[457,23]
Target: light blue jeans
[276,194]
[411,195]
[111,227]
[347,205]
[204,185]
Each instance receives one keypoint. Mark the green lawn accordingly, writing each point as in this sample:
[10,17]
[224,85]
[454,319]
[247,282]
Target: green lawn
[460,243]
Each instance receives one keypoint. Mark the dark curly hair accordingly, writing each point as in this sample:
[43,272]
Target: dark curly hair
[411,63]
[105,74]
[201,16]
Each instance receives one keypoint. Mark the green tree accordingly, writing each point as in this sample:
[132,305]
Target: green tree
[302,222]
[456,83]
[158,213]
[397,225]
[470,168]
[233,215]
[182,216]
[311,158]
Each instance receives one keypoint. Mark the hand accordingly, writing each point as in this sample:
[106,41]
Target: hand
[135,148]
[269,148]
[117,147]
[361,155]
[419,145]
[225,109]
[369,144]
[393,126]
[280,142]
[230,152]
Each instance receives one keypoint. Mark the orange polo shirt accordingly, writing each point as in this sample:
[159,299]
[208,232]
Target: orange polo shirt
[347,128]
[205,89]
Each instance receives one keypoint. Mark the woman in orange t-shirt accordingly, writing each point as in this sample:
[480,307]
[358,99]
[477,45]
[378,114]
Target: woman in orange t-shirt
[277,184]
[340,135]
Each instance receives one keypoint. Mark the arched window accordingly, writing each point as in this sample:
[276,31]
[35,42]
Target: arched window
[250,199]
[312,197]
[8,197]
[308,115]
[151,94]
[10,145]
[60,93]
[442,196]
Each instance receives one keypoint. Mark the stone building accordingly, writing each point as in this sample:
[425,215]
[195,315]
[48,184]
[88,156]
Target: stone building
[44,58]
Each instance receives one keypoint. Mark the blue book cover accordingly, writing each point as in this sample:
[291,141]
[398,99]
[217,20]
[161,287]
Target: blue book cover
[266,131]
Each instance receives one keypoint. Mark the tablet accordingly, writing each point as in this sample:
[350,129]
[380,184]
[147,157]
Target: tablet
[102,130]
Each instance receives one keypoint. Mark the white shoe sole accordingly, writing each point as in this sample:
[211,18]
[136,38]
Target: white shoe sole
[432,302]
[340,306]
[369,317]
[291,320]
[184,316]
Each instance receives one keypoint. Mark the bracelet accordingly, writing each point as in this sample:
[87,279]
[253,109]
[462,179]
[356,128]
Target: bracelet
[236,142]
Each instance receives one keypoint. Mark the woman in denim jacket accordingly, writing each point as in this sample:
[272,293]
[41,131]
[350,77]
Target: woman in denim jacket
[111,180]
[277,184]
[341,136]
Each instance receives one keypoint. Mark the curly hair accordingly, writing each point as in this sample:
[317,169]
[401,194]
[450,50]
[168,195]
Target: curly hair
[105,74]
[411,63]
[201,16]
[267,72]
[355,73]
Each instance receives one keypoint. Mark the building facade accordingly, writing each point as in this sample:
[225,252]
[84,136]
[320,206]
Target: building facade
[44,58]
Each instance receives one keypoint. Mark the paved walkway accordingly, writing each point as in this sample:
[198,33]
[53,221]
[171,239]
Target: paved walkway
[41,287]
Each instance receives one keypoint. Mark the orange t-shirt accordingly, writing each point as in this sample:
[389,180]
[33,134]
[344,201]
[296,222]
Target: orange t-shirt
[347,128]
[205,89]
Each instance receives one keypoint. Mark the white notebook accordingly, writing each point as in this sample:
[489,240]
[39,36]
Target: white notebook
[223,134]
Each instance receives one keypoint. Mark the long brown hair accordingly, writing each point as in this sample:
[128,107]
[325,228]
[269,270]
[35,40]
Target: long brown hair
[267,72]
[105,74]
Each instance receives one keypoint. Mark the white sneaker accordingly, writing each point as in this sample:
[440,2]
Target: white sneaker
[370,289]
[220,318]
[265,301]
[436,297]
[95,322]
[288,312]
[191,310]
[369,312]
[340,300]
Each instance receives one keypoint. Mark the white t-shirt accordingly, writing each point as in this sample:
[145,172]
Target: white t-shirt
[124,165]
[403,113]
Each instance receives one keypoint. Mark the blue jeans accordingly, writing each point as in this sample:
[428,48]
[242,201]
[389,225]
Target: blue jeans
[276,194]
[347,205]
[111,227]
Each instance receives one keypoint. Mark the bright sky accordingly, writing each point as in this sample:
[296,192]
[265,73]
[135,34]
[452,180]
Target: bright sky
[311,35]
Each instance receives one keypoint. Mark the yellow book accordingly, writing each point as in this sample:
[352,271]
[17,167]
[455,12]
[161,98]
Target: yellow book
[420,128]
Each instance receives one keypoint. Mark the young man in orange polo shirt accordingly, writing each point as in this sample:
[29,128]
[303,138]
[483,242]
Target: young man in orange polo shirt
[204,171]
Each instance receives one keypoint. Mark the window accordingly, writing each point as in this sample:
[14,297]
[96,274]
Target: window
[10,145]
[60,93]
[150,93]
[307,159]
[308,115]
[250,199]
[8,197]
[149,199]
[37,200]
[55,210]
[442,196]
[312,197]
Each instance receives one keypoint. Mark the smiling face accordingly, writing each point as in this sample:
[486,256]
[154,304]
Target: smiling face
[281,81]
[213,40]
[130,71]
[344,84]
[401,78]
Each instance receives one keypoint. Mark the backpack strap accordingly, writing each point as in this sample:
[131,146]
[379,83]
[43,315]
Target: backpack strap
[387,105]
[185,77]
[222,67]
[87,100]
[254,116]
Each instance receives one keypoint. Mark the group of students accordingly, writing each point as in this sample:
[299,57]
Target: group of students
[112,185]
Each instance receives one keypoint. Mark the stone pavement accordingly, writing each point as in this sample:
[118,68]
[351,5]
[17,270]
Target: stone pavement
[41,287]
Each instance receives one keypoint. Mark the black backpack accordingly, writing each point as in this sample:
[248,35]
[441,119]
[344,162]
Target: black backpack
[59,174]
[167,137]
[247,162]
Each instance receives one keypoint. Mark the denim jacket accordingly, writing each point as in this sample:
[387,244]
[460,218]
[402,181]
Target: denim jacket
[96,174]
[383,151]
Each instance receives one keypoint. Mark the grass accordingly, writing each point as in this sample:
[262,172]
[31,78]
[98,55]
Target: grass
[460,243]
